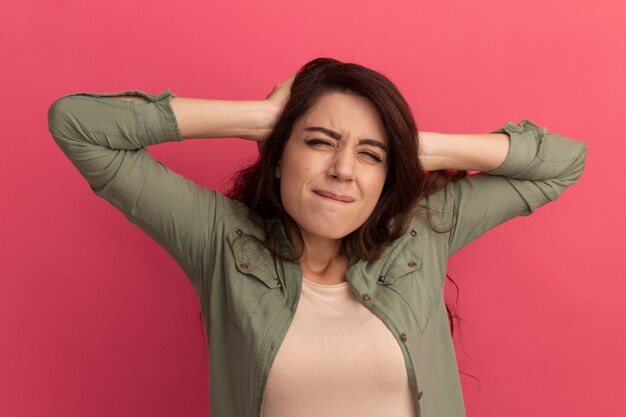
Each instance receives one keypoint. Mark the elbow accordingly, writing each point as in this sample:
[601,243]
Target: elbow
[60,119]
[553,189]
[578,164]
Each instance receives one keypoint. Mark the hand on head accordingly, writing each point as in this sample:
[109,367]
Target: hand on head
[278,98]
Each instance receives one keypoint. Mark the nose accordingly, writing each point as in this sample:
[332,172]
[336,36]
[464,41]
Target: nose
[342,166]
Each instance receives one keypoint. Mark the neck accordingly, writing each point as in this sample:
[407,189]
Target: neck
[322,259]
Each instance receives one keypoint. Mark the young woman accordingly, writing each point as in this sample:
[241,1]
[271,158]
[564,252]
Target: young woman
[321,275]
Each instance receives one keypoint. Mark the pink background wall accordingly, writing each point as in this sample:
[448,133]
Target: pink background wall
[97,320]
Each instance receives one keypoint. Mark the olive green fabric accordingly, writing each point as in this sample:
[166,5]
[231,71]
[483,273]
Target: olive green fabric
[248,298]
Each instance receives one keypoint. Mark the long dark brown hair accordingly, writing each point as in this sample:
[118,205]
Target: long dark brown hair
[406,182]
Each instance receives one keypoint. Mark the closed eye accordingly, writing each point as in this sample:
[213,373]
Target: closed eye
[314,142]
[323,143]
[373,156]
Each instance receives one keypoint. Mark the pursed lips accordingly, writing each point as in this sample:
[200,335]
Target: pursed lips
[335,197]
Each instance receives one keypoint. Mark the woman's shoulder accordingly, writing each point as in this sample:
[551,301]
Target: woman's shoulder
[235,216]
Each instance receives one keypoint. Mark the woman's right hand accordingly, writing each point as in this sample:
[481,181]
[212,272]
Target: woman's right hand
[276,99]
[280,94]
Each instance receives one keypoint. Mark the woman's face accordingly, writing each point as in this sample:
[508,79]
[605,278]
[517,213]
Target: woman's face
[333,167]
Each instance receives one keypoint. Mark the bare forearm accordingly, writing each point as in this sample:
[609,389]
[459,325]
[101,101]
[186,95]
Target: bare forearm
[207,118]
[204,118]
[461,151]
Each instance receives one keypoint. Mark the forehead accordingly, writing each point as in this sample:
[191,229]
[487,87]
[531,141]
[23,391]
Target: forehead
[347,114]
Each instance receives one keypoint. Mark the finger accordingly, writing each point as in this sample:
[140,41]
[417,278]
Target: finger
[289,80]
[271,92]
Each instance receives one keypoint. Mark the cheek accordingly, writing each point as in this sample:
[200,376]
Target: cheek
[286,192]
[288,175]
[292,191]
[374,185]
[374,192]
[296,175]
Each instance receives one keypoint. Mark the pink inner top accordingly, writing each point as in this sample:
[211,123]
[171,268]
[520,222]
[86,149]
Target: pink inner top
[337,359]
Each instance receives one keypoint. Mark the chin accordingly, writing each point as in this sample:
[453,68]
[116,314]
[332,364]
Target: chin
[321,224]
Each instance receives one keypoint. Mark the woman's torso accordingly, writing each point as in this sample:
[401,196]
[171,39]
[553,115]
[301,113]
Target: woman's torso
[337,359]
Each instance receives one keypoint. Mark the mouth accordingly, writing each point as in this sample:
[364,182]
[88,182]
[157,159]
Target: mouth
[334,197]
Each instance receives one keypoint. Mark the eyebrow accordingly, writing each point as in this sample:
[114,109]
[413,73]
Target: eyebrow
[337,136]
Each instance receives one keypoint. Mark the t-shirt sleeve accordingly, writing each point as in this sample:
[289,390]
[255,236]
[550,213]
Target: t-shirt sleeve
[538,168]
[105,138]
